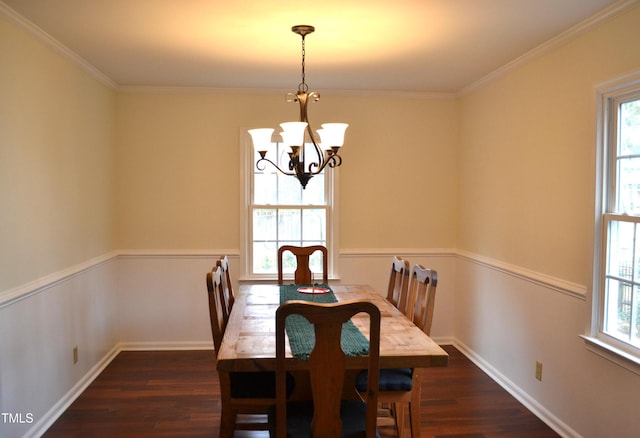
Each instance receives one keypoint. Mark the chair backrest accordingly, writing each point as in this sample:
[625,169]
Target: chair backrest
[422,296]
[398,291]
[302,274]
[216,313]
[327,363]
[227,288]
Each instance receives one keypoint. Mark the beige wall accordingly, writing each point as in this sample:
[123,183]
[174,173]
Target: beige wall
[56,161]
[178,168]
[527,158]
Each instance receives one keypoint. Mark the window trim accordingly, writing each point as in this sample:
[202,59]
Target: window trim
[332,179]
[609,95]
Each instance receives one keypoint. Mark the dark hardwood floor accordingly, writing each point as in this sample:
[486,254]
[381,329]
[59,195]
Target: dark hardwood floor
[176,394]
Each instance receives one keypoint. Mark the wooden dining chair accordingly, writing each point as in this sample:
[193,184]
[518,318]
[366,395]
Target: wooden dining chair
[398,290]
[216,306]
[402,387]
[422,296]
[243,394]
[227,288]
[302,274]
[327,415]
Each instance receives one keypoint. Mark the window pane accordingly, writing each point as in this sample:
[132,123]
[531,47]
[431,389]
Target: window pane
[629,143]
[628,190]
[314,193]
[622,303]
[628,186]
[265,257]
[289,224]
[263,188]
[313,225]
[618,309]
[635,317]
[264,224]
[636,254]
[623,311]
[621,237]
[289,190]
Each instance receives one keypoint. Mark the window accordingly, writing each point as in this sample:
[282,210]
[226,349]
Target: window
[616,292]
[278,211]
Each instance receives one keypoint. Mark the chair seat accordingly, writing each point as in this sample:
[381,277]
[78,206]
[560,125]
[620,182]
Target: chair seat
[300,413]
[391,379]
[257,384]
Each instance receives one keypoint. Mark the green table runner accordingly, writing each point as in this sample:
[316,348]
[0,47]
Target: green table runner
[300,331]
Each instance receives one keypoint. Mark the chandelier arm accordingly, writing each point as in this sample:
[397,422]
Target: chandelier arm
[302,97]
[334,160]
[319,166]
[274,165]
[317,148]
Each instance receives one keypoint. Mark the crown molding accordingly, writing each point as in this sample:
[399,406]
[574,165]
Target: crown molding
[561,39]
[56,45]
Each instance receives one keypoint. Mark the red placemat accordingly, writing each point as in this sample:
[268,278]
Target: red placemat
[313,290]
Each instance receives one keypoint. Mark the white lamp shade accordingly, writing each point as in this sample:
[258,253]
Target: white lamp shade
[261,138]
[332,134]
[293,133]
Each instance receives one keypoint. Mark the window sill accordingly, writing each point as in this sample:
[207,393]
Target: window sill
[613,354]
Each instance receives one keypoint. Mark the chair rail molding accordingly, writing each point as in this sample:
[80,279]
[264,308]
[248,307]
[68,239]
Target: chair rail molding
[38,285]
[12,295]
[566,287]
[390,252]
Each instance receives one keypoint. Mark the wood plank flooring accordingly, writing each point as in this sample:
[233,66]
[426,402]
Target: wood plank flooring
[176,394]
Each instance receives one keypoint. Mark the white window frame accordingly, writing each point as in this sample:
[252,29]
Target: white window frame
[247,164]
[609,96]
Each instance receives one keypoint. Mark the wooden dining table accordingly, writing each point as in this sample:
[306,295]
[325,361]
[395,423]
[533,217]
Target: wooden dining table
[249,339]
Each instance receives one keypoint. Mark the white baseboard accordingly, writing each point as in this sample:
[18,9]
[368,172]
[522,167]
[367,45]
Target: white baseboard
[58,409]
[444,340]
[166,346]
[540,411]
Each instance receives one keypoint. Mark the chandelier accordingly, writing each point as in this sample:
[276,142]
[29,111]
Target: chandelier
[325,142]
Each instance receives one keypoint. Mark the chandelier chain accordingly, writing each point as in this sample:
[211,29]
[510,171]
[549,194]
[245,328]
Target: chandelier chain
[303,85]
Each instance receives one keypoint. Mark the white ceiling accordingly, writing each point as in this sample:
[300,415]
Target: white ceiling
[425,46]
